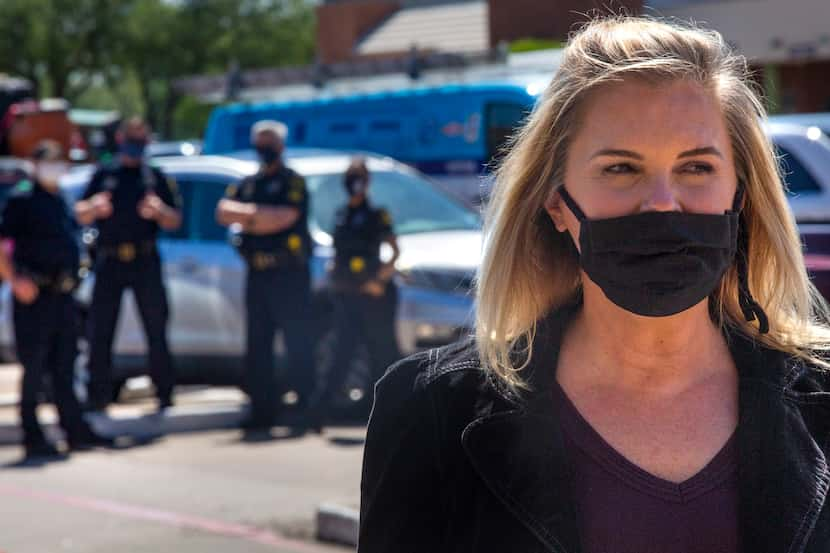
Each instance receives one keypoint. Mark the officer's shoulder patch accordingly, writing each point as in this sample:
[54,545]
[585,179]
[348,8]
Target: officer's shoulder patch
[23,188]
[231,190]
[384,217]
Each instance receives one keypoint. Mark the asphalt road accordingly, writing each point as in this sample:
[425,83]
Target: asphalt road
[199,490]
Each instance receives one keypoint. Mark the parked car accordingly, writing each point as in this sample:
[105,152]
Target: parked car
[174,148]
[440,243]
[805,158]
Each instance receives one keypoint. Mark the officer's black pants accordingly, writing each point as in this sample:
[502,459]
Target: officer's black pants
[277,298]
[358,319]
[112,277]
[46,339]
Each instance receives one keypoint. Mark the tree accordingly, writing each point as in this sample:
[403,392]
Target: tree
[164,41]
[67,45]
[61,44]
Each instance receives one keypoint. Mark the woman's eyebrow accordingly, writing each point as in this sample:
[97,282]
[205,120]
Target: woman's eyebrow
[705,150]
[617,153]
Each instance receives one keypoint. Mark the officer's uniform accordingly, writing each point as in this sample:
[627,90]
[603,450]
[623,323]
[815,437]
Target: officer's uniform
[45,250]
[126,257]
[277,292]
[359,318]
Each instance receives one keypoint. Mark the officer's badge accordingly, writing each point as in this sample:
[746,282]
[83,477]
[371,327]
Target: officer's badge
[357,264]
[230,191]
[110,183]
[294,243]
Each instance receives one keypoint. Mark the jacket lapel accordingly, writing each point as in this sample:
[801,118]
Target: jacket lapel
[520,454]
[783,473]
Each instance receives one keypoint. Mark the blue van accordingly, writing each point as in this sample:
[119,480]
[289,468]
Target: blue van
[451,132]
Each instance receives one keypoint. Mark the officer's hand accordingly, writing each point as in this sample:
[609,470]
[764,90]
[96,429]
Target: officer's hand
[102,205]
[150,207]
[374,288]
[24,289]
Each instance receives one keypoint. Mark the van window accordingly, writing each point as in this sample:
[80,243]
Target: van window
[797,178]
[501,122]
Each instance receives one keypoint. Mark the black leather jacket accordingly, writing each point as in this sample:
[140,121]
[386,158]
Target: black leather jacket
[455,462]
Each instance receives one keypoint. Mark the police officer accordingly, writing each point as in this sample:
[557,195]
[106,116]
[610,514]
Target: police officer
[42,273]
[364,295]
[269,209]
[128,201]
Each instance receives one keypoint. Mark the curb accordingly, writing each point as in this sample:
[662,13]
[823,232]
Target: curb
[191,418]
[337,524]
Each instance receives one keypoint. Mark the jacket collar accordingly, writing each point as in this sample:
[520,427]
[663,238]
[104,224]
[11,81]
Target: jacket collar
[783,474]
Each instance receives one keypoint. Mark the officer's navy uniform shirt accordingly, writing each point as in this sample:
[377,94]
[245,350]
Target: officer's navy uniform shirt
[285,188]
[358,234]
[43,230]
[128,186]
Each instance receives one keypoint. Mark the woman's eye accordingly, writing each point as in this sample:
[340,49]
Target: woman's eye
[619,169]
[698,168]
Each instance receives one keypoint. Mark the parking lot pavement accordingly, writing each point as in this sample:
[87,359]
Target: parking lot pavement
[201,487]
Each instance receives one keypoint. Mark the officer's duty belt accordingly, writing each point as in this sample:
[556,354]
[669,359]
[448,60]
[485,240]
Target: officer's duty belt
[260,261]
[63,282]
[128,251]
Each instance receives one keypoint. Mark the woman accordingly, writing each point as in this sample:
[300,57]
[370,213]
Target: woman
[646,373]
[363,292]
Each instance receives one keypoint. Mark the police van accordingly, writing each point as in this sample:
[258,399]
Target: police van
[451,132]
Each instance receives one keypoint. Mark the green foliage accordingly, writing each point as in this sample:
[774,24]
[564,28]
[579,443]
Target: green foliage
[531,44]
[126,54]
[190,118]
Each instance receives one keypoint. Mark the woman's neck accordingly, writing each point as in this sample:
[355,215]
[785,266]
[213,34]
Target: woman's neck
[608,345]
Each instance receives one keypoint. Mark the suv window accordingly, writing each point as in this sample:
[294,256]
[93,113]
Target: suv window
[200,194]
[797,178]
[186,189]
[414,204]
[210,192]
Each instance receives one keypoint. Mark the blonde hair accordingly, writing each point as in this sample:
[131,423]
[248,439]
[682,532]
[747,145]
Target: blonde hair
[530,268]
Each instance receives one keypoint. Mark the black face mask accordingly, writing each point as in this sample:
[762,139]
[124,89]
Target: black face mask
[660,263]
[267,154]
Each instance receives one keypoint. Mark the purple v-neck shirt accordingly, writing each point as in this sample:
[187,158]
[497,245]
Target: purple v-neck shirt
[622,508]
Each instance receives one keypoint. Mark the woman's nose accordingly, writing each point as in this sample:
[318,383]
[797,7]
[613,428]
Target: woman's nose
[660,196]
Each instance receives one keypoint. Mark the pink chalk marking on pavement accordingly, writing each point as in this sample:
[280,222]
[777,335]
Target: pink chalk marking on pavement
[169,518]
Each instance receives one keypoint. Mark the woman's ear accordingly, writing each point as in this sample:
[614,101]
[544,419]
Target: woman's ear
[555,210]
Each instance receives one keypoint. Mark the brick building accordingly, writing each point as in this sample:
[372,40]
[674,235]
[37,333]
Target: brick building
[786,40]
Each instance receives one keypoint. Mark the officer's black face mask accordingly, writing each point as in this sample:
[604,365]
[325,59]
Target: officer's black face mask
[133,148]
[356,186]
[657,263]
[267,154]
